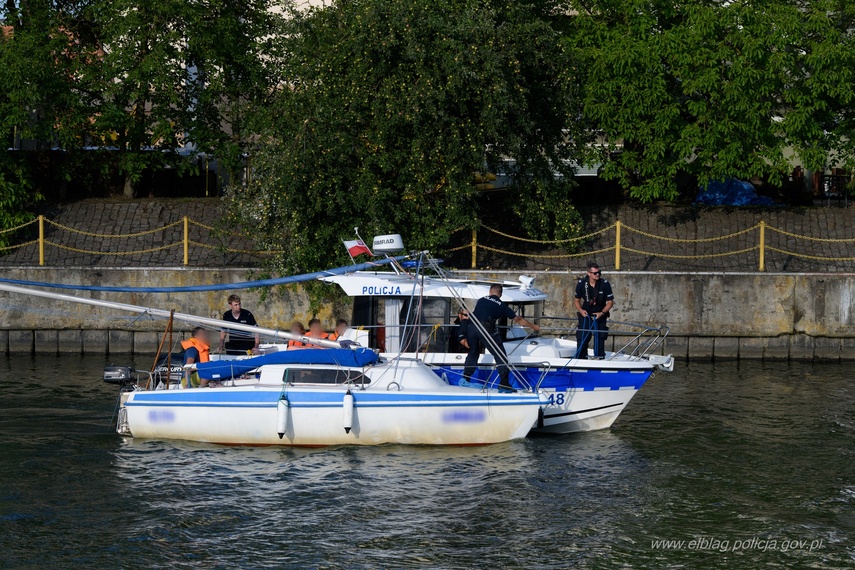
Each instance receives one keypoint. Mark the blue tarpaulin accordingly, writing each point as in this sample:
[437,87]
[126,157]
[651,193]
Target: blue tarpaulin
[731,192]
[223,369]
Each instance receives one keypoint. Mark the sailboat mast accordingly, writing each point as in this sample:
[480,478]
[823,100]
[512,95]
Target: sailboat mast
[183,317]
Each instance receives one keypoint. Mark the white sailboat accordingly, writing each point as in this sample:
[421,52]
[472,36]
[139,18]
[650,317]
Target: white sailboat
[315,397]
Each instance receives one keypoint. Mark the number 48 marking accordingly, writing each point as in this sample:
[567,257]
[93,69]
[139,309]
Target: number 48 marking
[556,399]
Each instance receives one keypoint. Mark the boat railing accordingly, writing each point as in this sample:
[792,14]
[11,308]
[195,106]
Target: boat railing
[637,340]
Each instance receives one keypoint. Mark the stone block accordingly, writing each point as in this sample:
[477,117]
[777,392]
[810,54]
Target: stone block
[4,342]
[120,342]
[827,349]
[677,346]
[146,342]
[45,342]
[21,341]
[701,347]
[752,347]
[801,347]
[69,342]
[94,342]
[777,348]
[847,348]
[726,347]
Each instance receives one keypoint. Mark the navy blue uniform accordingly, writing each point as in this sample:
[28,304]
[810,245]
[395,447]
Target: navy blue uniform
[458,333]
[488,310]
[593,301]
[240,342]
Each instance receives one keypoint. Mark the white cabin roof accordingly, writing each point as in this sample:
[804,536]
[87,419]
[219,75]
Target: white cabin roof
[388,284]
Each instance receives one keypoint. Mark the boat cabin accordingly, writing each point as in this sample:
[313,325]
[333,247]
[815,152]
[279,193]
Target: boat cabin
[403,312]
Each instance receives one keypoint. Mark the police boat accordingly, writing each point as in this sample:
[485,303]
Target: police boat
[408,311]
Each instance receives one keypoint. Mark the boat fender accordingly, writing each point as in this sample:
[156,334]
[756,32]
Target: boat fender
[540,418]
[348,411]
[282,416]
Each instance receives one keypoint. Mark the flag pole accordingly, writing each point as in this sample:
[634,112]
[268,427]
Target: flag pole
[348,251]
[359,237]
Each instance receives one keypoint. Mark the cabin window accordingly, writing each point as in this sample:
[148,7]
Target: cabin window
[322,376]
[432,331]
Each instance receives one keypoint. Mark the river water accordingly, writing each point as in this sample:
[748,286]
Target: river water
[750,464]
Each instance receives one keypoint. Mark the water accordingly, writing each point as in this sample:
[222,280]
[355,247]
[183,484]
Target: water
[731,456]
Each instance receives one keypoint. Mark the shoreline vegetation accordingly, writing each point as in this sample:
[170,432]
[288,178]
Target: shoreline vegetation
[423,115]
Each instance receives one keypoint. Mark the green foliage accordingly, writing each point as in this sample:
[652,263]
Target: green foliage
[388,109]
[143,79]
[16,196]
[715,89]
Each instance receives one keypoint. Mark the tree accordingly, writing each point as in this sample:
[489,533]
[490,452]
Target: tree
[388,108]
[233,52]
[713,89]
[150,81]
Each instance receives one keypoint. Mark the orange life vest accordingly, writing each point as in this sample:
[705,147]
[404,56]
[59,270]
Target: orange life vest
[204,349]
[324,336]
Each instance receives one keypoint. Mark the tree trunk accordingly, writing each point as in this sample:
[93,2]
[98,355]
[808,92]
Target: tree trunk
[129,191]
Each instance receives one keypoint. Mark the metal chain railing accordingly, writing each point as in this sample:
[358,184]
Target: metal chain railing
[42,241]
[617,246]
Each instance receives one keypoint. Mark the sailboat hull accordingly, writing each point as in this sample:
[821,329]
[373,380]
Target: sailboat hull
[250,415]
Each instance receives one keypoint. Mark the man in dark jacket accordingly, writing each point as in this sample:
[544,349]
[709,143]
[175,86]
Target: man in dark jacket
[488,311]
[239,342]
[594,299]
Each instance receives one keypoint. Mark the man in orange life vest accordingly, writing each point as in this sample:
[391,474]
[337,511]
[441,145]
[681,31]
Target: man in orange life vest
[316,330]
[341,327]
[196,349]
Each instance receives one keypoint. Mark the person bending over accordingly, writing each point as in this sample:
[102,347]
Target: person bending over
[488,311]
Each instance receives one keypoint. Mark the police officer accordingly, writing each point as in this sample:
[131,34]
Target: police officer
[594,299]
[488,310]
[457,340]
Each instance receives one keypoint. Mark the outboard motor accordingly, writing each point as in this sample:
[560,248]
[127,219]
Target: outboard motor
[119,375]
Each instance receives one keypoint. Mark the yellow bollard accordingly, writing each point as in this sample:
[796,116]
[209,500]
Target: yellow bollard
[474,249]
[617,245]
[186,241]
[762,245]
[41,240]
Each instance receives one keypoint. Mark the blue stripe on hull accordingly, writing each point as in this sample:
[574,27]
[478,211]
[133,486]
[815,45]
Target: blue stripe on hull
[228,397]
[587,379]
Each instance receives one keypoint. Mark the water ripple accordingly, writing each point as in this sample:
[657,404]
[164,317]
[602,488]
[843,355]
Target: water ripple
[734,452]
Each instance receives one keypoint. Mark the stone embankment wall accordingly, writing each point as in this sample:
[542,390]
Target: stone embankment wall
[741,315]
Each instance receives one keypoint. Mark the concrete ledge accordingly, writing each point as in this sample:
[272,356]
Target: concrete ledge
[801,347]
[752,348]
[146,342]
[676,346]
[21,341]
[69,342]
[45,342]
[701,347]
[726,347]
[95,341]
[120,342]
[828,349]
[777,348]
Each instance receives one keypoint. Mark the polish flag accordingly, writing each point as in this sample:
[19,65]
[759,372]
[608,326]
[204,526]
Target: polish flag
[357,247]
